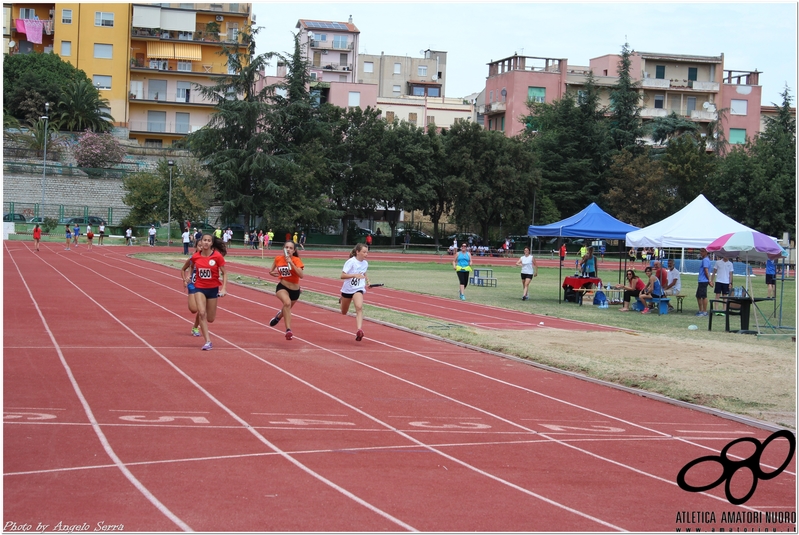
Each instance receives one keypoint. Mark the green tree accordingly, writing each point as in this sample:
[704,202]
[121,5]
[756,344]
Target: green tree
[30,80]
[147,193]
[435,184]
[688,166]
[81,107]
[571,145]
[499,175]
[662,129]
[638,191]
[625,108]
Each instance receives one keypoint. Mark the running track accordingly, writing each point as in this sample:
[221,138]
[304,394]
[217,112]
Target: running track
[114,416]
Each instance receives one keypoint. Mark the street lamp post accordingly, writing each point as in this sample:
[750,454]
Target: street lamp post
[171,164]
[44,164]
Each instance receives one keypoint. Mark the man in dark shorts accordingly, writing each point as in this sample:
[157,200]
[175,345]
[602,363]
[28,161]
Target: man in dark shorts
[702,282]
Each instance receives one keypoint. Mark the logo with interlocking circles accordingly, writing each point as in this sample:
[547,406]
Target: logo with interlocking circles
[730,467]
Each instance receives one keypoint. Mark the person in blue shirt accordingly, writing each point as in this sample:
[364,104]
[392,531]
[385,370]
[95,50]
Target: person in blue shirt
[75,234]
[702,282]
[771,279]
[462,264]
[653,289]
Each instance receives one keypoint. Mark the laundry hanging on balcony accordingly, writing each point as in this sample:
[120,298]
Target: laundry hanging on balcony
[33,29]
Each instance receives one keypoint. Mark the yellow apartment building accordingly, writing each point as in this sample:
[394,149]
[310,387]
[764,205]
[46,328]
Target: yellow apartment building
[146,59]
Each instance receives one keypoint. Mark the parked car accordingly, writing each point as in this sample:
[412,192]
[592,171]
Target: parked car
[464,237]
[92,219]
[37,219]
[360,231]
[16,218]
[418,234]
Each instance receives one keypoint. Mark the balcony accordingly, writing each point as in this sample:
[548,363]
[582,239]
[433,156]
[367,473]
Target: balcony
[184,97]
[655,83]
[197,36]
[334,66]
[173,67]
[494,108]
[233,8]
[155,127]
[660,83]
[330,45]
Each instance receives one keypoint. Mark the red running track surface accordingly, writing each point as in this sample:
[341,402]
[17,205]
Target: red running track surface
[113,416]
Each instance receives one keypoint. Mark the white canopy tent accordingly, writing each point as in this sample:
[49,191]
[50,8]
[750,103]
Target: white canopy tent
[693,227]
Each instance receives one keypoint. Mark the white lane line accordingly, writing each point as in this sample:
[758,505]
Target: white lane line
[344,403]
[90,415]
[211,397]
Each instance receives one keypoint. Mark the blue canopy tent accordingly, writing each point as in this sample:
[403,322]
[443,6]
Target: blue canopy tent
[591,222]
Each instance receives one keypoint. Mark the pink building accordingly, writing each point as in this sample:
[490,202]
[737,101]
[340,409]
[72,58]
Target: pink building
[693,87]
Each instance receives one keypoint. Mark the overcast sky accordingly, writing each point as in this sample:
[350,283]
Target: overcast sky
[752,36]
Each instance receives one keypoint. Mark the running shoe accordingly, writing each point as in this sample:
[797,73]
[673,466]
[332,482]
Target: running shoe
[704,313]
[698,314]
[207,346]
[359,335]
[274,321]
[719,313]
[289,334]
[525,297]
[645,311]
[463,297]
[195,332]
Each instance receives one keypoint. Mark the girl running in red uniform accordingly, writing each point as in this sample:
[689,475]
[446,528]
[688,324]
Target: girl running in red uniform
[289,268]
[210,281]
[195,330]
[37,236]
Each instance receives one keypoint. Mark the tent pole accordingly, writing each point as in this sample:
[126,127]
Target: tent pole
[560,270]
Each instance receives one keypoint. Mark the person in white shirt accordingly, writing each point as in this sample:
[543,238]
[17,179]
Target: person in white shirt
[355,284]
[186,241]
[529,270]
[722,273]
[152,235]
[674,284]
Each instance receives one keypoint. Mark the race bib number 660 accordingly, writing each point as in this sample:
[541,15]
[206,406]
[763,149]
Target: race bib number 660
[204,273]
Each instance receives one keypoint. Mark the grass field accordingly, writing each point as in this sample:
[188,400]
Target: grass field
[749,375]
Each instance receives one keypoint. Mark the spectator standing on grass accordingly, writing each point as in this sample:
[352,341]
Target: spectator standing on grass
[218,232]
[771,278]
[562,252]
[129,236]
[75,234]
[210,282]
[302,239]
[702,282]
[588,263]
[462,264]
[101,230]
[68,235]
[529,270]
[198,235]
[151,234]
[353,289]
[288,267]
[368,241]
[37,236]
[270,237]
[186,236]
[722,275]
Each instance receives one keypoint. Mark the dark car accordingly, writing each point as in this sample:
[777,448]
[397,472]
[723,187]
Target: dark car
[418,234]
[464,237]
[360,231]
[92,220]
[16,218]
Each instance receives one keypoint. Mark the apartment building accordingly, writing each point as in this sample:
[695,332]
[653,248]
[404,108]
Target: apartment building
[693,87]
[398,76]
[332,49]
[144,58]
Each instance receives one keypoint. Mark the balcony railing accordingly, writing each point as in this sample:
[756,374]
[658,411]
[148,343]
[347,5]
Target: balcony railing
[188,97]
[157,127]
[238,8]
[330,45]
[662,83]
[230,37]
[334,66]
[173,67]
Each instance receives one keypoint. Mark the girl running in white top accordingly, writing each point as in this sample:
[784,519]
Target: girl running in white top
[529,270]
[354,286]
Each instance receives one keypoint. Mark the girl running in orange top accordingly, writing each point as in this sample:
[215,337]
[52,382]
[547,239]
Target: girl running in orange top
[289,268]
